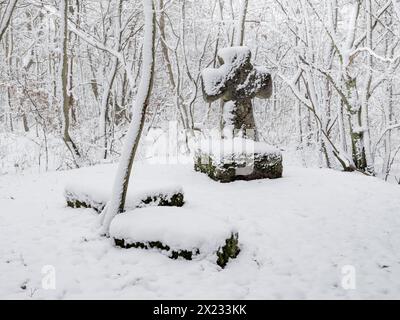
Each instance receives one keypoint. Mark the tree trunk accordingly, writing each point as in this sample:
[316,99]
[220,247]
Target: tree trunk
[64,84]
[241,24]
[367,93]
[5,18]
[117,203]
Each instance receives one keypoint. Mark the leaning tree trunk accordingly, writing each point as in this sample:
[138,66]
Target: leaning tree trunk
[121,183]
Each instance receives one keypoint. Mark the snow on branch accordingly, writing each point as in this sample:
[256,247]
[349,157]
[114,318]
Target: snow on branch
[374,54]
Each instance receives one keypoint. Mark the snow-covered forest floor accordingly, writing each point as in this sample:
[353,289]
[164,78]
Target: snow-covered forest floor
[296,235]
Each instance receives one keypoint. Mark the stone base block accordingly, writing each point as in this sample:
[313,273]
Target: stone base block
[235,167]
[226,252]
[178,233]
[166,198]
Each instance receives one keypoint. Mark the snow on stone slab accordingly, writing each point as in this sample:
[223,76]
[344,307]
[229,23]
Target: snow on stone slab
[97,198]
[180,229]
[95,190]
[236,146]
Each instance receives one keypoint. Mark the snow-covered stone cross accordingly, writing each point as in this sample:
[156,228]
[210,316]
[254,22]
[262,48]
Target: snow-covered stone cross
[240,156]
[237,82]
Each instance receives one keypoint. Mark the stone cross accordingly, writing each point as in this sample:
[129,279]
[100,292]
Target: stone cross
[237,82]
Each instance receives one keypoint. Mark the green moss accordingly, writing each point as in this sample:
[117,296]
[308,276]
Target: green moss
[161,200]
[268,166]
[204,163]
[185,254]
[229,251]
[177,200]
[76,204]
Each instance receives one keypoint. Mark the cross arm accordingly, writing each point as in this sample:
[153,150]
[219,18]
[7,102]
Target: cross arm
[264,83]
[214,84]
[257,84]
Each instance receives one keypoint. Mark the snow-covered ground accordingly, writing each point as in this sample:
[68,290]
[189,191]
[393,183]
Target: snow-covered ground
[296,235]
